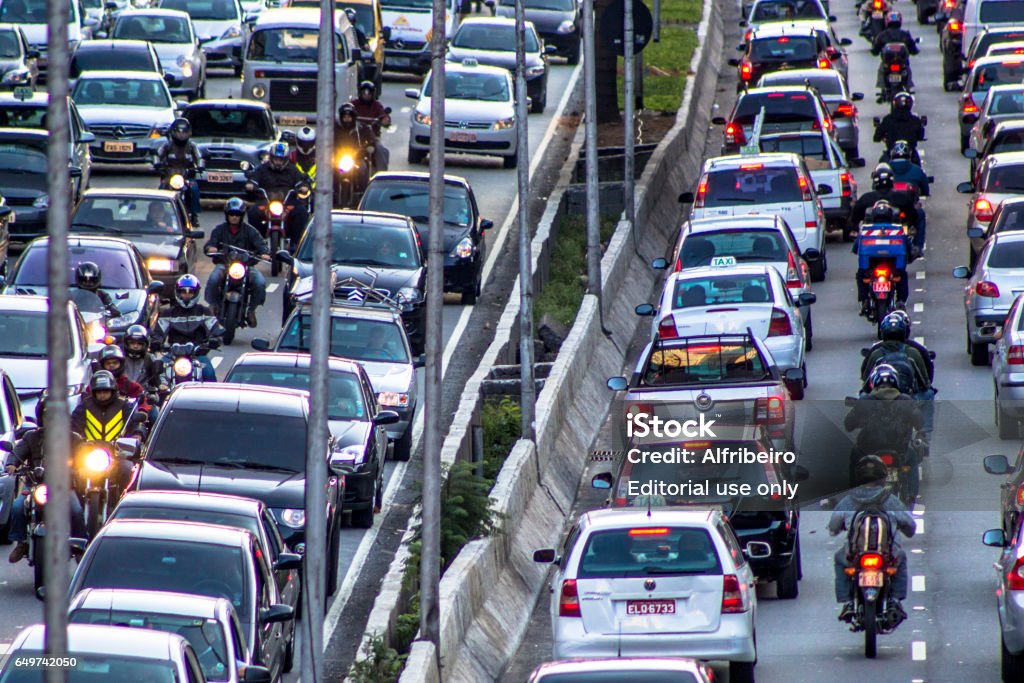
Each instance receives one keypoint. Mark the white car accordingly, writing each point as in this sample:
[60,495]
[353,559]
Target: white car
[646,669]
[176,44]
[777,184]
[730,299]
[661,583]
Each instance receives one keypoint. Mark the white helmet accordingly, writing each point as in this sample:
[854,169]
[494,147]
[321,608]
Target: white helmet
[305,141]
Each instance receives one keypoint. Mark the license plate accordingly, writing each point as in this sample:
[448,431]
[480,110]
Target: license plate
[462,137]
[877,15]
[895,78]
[880,286]
[400,61]
[892,476]
[110,146]
[646,607]
[215,177]
[870,579]
[293,120]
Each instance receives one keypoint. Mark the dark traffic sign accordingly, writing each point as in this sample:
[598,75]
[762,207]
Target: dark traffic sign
[611,25]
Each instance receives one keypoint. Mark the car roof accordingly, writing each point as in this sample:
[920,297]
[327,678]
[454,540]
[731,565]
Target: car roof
[1007,125]
[298,16]
[756,221]
[420,176]
[1005,159]
[802,73]
[174,530]
[239,398]
[1008,236]
[462,67]
[376,217]
[40,96]
[112,44]
[618,518]
[340,310]
[122,75]
[997,59]
[287,359]
[99,241]
[1000,87]
[27,134]
[192,500]
[151,602]
[798,27]
[136,192]
[619,664]
[227,103]
[19,302]
[775,89]
[709,271]
[152,12]
[775,159]
[107,640]
[491,21]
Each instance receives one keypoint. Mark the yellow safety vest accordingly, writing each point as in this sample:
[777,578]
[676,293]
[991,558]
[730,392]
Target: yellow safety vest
[311,173]
[95,430]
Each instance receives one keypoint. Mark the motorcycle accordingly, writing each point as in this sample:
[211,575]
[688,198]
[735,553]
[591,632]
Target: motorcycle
[352,173]
[895,70]
[275,215]
[882,250]
[237,289]
[35,494]
[180,183]
[183,365]
[875,612]
[873,18]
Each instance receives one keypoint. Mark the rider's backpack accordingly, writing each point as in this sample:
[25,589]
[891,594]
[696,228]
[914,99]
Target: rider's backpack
[870,532]
[904,367]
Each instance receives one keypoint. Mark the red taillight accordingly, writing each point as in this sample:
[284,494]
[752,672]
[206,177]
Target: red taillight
[780,326]
[987,289]
[659,531]
[870,561]
[734,134]
[702,188]
[887,459]
[735,599]
[882,272]
[1015,577]
[1020,495]
[260,73]
[783,40]
[954,26]
[805,187]
[824,64]
[667,327]
[748,35]
[894,67]
[745,71]
[878,4]
[793,280]
[770,410]
[569,600]
[968,106]
[1015,355]
[844,179]
[982,210]
[845,109]
[679,265]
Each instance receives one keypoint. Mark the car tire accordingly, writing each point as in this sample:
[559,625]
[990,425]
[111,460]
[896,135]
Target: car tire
[1012,665]
[853,152]
[798,558]
[809,333]
[4,529]
[818,268]
[979,354]
[510,162]
[787,583]
[573,58]
[469,296]
[403,446]
[741,672]
[363,519]
[331,586]
[796,390]
[238,70]
[416,156]
[537,107]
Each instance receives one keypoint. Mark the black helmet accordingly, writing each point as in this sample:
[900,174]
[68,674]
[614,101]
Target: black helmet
[181,130]
[884,375]
[907,322]
[900,150]
[103,381]
[893,19]
[903,100]
[344,109]
[883,178]
[88,276]
[882,212]
[368,85]
[305,140]
[136,333]
[234,207]
[894,327]
[112,352]
[869,469]
[40,412]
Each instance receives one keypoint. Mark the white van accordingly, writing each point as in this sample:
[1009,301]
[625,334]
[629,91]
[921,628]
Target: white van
[408,48]
[982,14]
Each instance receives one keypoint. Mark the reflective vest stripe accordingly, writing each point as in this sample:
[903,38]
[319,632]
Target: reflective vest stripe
[97,431]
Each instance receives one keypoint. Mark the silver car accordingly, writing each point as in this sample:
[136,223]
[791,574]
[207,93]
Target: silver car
[832,87]
[1008,372]
[990,290]
[176,44]
[480,113]
[17,59]
[638,669]
[1009,598]
[1000,177]
[220,26]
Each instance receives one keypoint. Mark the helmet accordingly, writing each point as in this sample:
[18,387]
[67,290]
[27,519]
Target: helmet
[103,381]
[368,85]
[88,276]
[893,19]
[869,470]
[305,141]
[882,212]
[900,150]
[112,352]
[884,375]
[344,109]
[181,130]
[894,327]
[882,178]
[40,412]
[905,317]
[903,100]
[189,284]
[234,207]
[136,333]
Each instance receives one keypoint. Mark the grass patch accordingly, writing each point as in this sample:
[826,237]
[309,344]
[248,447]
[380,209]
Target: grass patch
[563,292]
[679,11]
[667,63]
[501,423]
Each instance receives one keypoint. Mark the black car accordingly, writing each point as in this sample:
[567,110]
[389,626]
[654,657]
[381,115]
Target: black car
[114,55]
[772,48]
[197,559]
[951,38]
[356,423]
[386,244]
[23,180]
[244,441]
[155,221]
[407,194]
[232,136]
[559,22]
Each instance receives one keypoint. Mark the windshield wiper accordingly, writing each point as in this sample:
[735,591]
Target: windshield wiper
[245,465]
[667,570]
[367,262]
[94,226]
[181,461]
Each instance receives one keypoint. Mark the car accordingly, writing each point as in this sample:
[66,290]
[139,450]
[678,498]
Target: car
[366,17]
[355,421]
[13,425]
[1005,136]
[997,178]
[356,238]
[776,46]
[951,35]
[176,44]
[220,26]
[261,454]
[128,112]
[600,568]
[990,290]
[114,55]
[389,363]
[280,66]
[986,73]
[110,653]
[787,108]
[835,57]
[832,88]
[766,183]
[232,136]
[772,11]
[1008,598]
[465,231]
[1001,103]
[23,351]
[1007,373]
[999,49]
[986,38]
[196,559]
[491,41]
[125,277]
[479,110]
[731,298]
[24,165]
[1008,217]
[31,15]
[989,14]
[6,218]
[407,50]
[156,222]
[17,60]
[209,625]
[559,23]
[625,668]
[1011,496]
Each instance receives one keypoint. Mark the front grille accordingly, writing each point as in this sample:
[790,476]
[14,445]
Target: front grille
[222,160]
[411,45]
[283,99]
[20,201]
[346,292]
[284,73]
[469,125]
[120,130]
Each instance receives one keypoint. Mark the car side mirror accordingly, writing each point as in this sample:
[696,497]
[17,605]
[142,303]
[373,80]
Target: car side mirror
[961,272]
[550,49]
[644,310]
[195,234]
[617,383]
[857,163]
[996,464]
[975,233]
[659,264]
[602,481]
[845,42]
[86,137]
[275,614]
[857,96]
[486,224]
[824,189]
[357,55]
[256,674]
[155,287]
[102,35]
[251,18]
[385,33]
[994,538]
[793,375]
[129,448]
[33,54]
[412,93]
[420,361]
[75,171]
[545,556]
[965,188]
[386,417]
[260,344]
[812,254]
[806,298]
[718,120]
[970,153]
[288,561]
[284,256]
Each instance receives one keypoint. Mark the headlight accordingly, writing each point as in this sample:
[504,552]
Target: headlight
[258,91]
[41,494]
[353,454]
[535,71]
[346,163]
[276,208]
[15,76]
[162,265]
[96,331]
[236,271]
[409,295]
[393,399]
[464,249]
[421,118]
[566,26]
[244,165]
[97,461]
[296,519]
[232,32]
[183,367]
[122,321]
[176,182]
[504,124]
[186,69]
[42,201]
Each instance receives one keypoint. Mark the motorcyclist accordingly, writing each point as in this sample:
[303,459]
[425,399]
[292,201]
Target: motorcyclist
[235,231]
[883,186]
[871,494]
[278,176]
[304,155]
[186,319]
[103,415]
[910,178]
[29,452]
[180,155]
[139,365]
[901,124]
[371,116]
[111,358]
[353,138]
[88,279]
[893,33]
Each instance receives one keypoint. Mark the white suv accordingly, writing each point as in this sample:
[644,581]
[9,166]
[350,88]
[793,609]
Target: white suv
[654,584]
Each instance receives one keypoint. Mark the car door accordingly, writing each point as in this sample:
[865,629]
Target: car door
[286,580]
[1000,349]
[271,636]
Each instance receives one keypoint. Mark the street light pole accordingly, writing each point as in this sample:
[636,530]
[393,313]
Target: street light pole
[590,148]
[629,128]
[527,395]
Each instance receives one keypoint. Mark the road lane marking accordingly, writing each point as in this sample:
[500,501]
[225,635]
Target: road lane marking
[216,360]
[919,650]
[917,584]
[271,288]
[919,340]
[919,509]
[917,551]
[919,308]
[919,523]
[919,275]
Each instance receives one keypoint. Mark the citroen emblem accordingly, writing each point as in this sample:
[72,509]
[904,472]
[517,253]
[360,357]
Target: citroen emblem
[355,295]
[649,584]
[120,132]
[294,90]
[703,401]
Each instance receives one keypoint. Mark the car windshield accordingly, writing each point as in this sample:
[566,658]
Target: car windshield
[468,85]
[121,92]
[284,45]
[1005,73]
[639,553]
[99,669]
[206,636]
[552,5]
[828,83]
[412,199]
[252,124]
[344,397]
[115,265]
[496,37]
[1006,255]
[361,340]
[1001,12]
[756,184]
[366,244]
[111,60]
[118,215]
[178,513]
[10,45]
[639,675]
[1005,179]
[28,11]
[364,16]
[784,49]
[784,10]
[23,158]
[722,289]
[154,28]
[793,107]
[704,362]
[204,10]
[231,439]
[748,246]
[23,334]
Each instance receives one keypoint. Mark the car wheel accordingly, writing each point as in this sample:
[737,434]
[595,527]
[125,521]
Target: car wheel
[808,333]
[1012,665]
[238,69]
[574,56]
[403,446]
[363,519]
[510,162]
[817,268]
[332,564]
[796,389]
[416,156]
[787,585]
[470,295]
[979,354]
[741,672]
[798,558]
[4,529]
[537,106]
[853,152]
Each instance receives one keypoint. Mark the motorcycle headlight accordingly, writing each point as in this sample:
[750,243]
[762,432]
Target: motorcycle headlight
[296,519]
[97,461]
[42,201]
[41,494]
[393,399]
[97,332]
[183,367]
[408,295]
[276,208]
[346,163]
[236,271]
[232,32]
[504,124]
[464,249]
[421,118]
[535,70]
[176,182]
[565,27]
[258,91]
[161,265]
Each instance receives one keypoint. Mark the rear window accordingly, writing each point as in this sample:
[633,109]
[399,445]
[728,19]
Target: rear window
[354,338]
[785,10]
[1006,255]
[808,146]
[97,668]
[1001,12]
[1011,141]
[632,553]
[784,49]
[826,84]
[722,289]
[778,107]
[755,184]
[1008,72]
[750,246]
[1011,217]
[1007,178]
[178,514]
[704,362]
[112,60]
[993,38]
[14,115]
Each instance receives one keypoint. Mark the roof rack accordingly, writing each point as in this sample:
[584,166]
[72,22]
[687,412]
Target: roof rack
[350,291]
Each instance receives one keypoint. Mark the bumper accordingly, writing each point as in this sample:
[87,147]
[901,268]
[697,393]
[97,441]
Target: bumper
[233,188]
[143,151]
[169,279]
[183,85]
[29,223]
[565,43]
[398,429]
[1011,618]
[415,323]
[1011,393]
[223,53]
[788,352]
[983,325]
[837,213]
[501,143]
[358,490]
[460,274]
[847,135]
[407,61]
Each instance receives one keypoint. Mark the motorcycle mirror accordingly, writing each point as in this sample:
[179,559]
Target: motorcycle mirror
[387,110]
[154,287]
[865,352]
[6,447]
[284,256]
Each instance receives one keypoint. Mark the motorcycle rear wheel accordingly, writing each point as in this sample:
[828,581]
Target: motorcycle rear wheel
[230,321]
[275,246]
[870,629]
[37,561]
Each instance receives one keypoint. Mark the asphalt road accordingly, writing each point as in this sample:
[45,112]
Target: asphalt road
[495,191]
[952,633]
